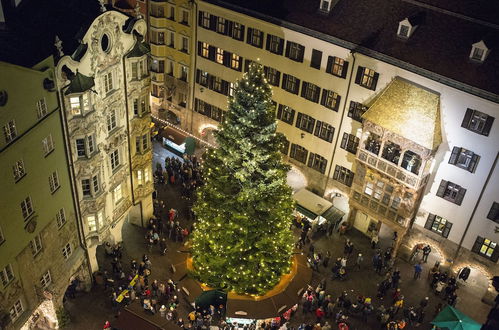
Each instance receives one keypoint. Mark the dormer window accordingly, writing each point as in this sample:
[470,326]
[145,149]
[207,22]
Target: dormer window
[406,29]
[325,6]
[479,51]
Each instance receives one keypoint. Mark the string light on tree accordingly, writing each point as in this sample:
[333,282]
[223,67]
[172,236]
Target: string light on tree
[242,241]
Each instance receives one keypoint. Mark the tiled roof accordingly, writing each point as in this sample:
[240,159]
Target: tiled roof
[441,44]
[400,105]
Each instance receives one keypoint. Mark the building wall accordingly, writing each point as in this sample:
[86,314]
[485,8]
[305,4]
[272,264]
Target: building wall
[453,106]
[169,90]
[24,87]
[106,205]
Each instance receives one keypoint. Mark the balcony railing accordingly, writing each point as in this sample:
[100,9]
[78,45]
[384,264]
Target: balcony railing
[388,168]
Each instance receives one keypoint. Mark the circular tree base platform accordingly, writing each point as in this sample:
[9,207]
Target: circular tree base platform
[275,302]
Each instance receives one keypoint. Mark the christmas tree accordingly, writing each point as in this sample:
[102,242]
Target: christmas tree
[243,241]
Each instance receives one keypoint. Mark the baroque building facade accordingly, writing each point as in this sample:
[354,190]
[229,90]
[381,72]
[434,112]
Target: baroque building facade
[395,124]
[104,89]
[41,251]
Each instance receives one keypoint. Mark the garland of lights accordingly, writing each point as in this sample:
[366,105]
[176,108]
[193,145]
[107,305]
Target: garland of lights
[243,241]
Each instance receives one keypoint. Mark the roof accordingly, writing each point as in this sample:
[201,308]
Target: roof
[139,49]
[79,84]
[441,45]
[401,105]
[312,202]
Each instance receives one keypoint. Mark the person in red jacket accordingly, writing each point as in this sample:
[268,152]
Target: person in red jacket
[107,325]
[319,313]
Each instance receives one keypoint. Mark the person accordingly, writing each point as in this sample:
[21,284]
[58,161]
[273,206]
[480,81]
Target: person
[359,261]
[465,273]
[417,270]
[374,240]
[107,325]
[426,252]
[395,238]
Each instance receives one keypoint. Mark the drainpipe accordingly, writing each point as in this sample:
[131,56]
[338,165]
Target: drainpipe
[194,65]
[72,176]
[341,122]
[475,208]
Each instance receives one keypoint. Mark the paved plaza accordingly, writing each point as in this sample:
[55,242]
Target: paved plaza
[90,310]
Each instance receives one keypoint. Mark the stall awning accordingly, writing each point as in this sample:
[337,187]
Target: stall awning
[173,135]
[311,202]
[305,212]
[333,215]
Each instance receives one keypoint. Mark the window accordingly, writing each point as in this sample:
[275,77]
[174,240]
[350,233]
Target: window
[46,279]
[235,62]
[272,75]
[118,194]
[140,179]
[54,182]
[324,131]
[317,162]
[203,49]
[170,67]
[216,84]
[115,159]
[48,145]
[356,110]
[237,31]
[19,170]
[494,212]
[286,114]
[60,217]
[219,56]
[255,37]
[185,45]
[477,54]
[299,153]
[182,99]
[85,187]
[108,82]
[16,310]
[451,192]
[135,71]
[92,223]
[67,251]
[477,122]
[337,66]
[204,19]
[185,17]
[9,131]
[284,146]
[95,184]
[294,51]
[411,162]
[221,25]
[464,159]
[171,39]
[316,59]
[208,110]
[172,13]
[202,77]
[36,245]
[403,31]
[310,91]
[85,147]
[305,122]
[183,73]
[274,44]
[7,275]
[330,99]
[367,78]
[143,68]
[350,143]
[486,248]
[142,143]
[157,66]
[290,83]
[368,189]
[157,37]
[111,120]
[343,175]
[391,152]
[147,175]
[27,208]
[41,108]
[438,225]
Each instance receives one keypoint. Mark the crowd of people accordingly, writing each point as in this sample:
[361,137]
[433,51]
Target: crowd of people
[317,304]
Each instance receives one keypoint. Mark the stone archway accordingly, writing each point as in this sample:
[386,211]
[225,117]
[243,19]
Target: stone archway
[296,179]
